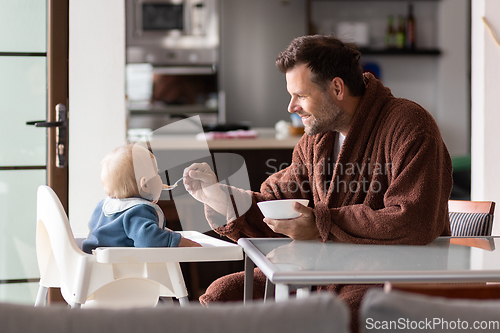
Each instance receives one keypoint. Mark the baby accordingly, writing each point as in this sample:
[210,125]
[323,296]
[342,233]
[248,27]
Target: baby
[129,216]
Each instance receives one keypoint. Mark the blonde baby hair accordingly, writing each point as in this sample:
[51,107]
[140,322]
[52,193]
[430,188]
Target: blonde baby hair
[122,169]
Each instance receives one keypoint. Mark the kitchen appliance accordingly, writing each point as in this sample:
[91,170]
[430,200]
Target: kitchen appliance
[172,55]
[172,32]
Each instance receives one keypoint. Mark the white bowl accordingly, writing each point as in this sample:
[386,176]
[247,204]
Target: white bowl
[281,209]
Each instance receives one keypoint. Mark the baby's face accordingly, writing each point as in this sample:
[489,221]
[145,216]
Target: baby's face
[148,180]
[155,184]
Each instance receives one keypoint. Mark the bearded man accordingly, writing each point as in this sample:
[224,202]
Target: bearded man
[374,167]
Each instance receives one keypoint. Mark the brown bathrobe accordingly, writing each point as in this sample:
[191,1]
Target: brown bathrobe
[390,185]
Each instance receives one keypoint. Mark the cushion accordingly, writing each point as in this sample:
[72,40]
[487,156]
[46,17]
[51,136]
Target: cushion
[319,313]
[471,224]
[409,312]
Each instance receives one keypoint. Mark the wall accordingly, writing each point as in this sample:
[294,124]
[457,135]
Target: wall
[485,104]
[453,76]
[96,99]
[253,34]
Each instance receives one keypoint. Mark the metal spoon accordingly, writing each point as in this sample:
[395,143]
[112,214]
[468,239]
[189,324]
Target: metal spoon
[171,187]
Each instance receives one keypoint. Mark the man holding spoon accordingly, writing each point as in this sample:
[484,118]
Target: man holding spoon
[374,167]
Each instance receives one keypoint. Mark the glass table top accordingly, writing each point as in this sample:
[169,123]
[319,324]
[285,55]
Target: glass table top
[447,258]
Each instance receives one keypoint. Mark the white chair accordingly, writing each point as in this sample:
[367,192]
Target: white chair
[85,281]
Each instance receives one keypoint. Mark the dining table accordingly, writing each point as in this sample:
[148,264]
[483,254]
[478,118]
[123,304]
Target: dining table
[298,265]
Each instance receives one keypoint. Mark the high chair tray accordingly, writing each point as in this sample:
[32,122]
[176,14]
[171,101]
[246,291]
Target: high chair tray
[212,249]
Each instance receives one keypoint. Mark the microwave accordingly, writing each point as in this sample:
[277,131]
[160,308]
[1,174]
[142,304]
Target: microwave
[172,31]
[170,17]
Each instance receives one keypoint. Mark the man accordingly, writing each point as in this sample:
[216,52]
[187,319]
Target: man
[373,166]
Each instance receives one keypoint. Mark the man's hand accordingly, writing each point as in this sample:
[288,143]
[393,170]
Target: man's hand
[299,228]
[201,182]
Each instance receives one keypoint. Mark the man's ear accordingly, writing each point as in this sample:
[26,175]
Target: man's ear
[337,88]
[143,184]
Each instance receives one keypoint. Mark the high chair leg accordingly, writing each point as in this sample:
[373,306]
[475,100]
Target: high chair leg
[184,301]
[41,297]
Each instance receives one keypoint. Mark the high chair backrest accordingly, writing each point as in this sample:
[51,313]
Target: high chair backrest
[57,253]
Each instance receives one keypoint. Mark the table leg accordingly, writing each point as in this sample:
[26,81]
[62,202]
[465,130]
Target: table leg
[303,292]
[269,292]
[282,292]
[248,281]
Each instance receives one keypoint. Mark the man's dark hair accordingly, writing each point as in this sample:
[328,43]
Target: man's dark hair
[327,57]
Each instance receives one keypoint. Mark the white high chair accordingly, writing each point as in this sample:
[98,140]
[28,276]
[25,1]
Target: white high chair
[83,280]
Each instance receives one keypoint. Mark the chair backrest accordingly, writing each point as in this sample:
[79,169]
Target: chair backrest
[471,218]
[464,206]
[57,253]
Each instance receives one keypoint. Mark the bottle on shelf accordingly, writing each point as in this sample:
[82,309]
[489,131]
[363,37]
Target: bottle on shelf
[410,29]
[390,34]
[400,34]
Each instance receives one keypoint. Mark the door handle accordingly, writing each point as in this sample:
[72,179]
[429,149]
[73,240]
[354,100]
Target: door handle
[43,123]
[61,125]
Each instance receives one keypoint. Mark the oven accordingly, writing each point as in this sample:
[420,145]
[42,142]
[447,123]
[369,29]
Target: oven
[172,49]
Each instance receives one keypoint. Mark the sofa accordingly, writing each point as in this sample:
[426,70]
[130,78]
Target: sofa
[400,311]
[319,313]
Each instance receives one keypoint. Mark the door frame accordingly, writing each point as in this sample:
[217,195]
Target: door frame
[57,93]
[57,82]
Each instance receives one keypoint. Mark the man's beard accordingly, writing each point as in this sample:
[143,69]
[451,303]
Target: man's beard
[329,118]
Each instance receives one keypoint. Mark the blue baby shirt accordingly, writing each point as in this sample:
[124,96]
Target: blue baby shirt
[133,222]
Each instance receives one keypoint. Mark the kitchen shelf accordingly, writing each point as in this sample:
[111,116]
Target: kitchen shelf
[161,108]
[400,52]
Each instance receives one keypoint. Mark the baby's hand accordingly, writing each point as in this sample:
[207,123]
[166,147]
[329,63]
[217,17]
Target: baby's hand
[188,243]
